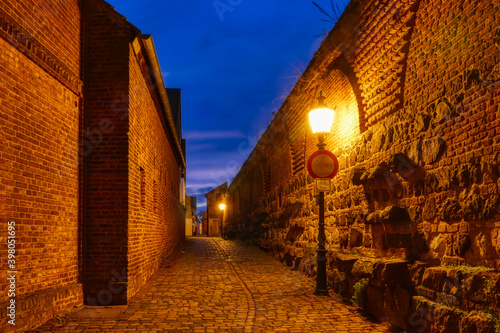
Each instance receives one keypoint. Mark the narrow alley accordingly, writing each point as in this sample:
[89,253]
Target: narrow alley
[217,285]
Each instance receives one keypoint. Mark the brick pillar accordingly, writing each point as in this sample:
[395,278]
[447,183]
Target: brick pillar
[105,156]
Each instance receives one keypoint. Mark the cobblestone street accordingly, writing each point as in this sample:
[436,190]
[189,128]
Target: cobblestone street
[217,285]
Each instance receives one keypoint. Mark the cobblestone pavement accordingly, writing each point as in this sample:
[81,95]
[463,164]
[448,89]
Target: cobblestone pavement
[217,285]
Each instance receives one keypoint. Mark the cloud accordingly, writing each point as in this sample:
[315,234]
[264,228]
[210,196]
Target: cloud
[196,186]
[201,147]
[199,189]
[212,135]
[210,178]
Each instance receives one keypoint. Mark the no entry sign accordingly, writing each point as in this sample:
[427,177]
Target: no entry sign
[323,164]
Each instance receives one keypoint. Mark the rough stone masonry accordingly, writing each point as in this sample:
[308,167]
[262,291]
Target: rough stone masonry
[413,219]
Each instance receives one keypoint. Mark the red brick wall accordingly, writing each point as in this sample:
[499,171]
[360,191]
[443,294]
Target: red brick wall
[39,125]
[156,227]
[105,153]
[86,216]
[53,24]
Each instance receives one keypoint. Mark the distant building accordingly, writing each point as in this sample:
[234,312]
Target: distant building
[197,224]
[174,96]
[212,220]
[191,218]
[194,207]
[204,223]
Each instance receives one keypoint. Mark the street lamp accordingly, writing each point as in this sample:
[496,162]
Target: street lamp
[222,206]
[321,119]
[323,166]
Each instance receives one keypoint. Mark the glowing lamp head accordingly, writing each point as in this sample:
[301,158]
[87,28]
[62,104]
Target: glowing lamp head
[222,206]
[321,117]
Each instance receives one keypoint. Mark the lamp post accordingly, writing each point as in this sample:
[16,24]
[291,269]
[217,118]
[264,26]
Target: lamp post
[323,166]
[222,206]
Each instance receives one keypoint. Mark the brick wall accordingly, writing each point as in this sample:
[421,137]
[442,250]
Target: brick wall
[52,27]
[95,209]
[156,217]
[415,86]
[134,216]
[105,153]
[39,126]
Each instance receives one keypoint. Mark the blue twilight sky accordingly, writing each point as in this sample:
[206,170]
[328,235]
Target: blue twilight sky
[235,62]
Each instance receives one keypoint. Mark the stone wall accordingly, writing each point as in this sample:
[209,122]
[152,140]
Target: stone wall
[415,86]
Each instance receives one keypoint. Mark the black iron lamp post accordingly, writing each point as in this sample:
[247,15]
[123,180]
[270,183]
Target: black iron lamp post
[322,165]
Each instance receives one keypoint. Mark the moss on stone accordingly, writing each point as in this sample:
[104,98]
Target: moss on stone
[359,296]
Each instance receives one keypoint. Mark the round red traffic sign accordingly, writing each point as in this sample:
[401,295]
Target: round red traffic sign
[323,164]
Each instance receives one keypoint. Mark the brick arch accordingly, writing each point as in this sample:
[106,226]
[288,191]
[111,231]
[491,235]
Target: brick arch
[341,96]
[341,64]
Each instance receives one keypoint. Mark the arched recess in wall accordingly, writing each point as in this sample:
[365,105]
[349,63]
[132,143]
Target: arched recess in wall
[342,93]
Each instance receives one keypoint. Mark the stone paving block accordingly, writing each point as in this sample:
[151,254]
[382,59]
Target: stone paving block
[217,285]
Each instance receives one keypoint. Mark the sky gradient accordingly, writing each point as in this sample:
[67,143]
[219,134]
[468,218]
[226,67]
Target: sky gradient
[235,62]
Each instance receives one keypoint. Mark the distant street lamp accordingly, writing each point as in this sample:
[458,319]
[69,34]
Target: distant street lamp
[322,165]
[222,206]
